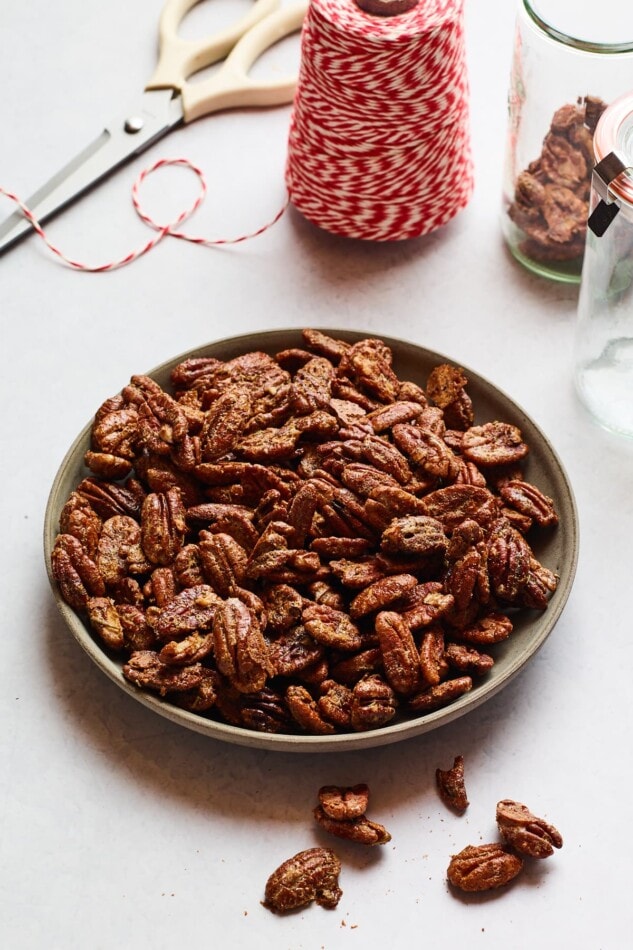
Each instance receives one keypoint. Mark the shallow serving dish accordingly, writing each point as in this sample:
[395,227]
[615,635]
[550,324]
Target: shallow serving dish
[556,548]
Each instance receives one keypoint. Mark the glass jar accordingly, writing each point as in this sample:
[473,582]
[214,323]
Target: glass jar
[604,329]
[571,59]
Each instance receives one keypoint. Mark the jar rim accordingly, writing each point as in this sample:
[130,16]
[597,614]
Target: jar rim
[576,42]
[614,127]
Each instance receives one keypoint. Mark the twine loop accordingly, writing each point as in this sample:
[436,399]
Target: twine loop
[170,229]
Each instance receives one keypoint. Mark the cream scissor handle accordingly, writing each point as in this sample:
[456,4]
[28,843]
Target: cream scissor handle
[241,43]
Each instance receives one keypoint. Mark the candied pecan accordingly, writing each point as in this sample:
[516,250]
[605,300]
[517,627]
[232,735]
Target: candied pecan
[271,444]
[508,558]
[160,474]
[451,785]
[163,429]
[357,574]
[191,609]
[483,867]
[457,503]
[284,606]
[397,501]
[354,668]
[385,417]
[108,498]
[115,430]
[425,604]
[381,593]
[240,650]
[561,162]
[360,829]
[191,649]
[305,711]
[236,520]
[190,371]
[187,566]
[368,364]
[284,567]
[312,385]
[433,665]
[163,526]
[414,534]
[333,628]
[491,628]
[293,651]
[201,698]
[344,802]
[310,875]
[468,660]
[161,586]
[526,833]
[434,697]
[444,384]
[76,573]
[106,465]
[529,500]
[81,520]
[265,711]
[494,443]
[426,450]
[374,703]
[540,584]
[224,423]
[119,551]
[105,621]
[335,703]
[319,342]
[462,577]
[145,669]
[138,634]
[223,562]
[401,661]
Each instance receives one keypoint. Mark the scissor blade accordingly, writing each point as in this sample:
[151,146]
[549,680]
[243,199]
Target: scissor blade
[159,112]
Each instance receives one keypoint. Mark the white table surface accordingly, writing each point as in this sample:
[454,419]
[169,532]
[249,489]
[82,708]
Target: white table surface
[120,829]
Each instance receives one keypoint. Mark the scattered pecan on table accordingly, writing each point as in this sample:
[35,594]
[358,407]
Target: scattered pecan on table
[302,543]
[483,867]
[526,833]
[341,812]
[551,198]
[308,876]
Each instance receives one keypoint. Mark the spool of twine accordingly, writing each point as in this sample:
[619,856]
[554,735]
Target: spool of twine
[379,143]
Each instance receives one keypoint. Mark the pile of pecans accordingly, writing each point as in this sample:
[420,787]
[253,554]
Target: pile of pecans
[302,543]
[551,199]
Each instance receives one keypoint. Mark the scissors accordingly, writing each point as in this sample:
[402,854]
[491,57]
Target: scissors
[170,100]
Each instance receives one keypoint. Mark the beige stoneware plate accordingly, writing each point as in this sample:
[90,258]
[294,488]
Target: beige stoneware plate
[556,548]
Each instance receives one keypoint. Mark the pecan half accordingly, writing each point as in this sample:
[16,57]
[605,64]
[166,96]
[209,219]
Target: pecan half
[451,785]
[240,650]
[310,875]
[526,833]
[483,867]
[344,802]
[360,829]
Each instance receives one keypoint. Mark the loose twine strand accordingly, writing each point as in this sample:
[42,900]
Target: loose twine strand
[171,229]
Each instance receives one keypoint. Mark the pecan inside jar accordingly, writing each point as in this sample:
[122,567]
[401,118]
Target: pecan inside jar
[304,543]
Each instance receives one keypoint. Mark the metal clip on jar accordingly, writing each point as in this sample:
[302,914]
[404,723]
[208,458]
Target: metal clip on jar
[604,330]
[571,59]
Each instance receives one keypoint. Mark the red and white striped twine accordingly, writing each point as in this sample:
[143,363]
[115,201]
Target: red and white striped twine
[163,230]
[379,144]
